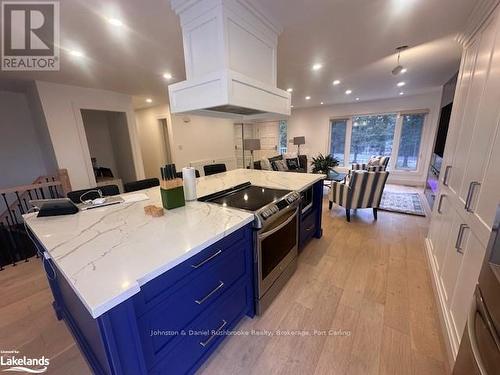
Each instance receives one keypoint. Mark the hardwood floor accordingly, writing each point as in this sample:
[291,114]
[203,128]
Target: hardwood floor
[361,298]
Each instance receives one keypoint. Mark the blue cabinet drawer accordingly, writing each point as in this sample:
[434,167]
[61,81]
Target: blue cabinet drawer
[162,286]
[307,226]
[205,333]
[158,326]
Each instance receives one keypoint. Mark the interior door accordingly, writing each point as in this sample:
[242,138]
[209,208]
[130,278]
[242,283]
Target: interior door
[456,123]
[268,133]
[472,104]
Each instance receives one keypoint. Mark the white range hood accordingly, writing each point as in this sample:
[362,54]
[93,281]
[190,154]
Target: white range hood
[230,51]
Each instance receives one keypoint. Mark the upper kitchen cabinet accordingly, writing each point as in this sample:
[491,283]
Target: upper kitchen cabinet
[471,110]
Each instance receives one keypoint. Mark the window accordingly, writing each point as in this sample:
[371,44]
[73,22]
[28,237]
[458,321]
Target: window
[283,137]
[337,140]
[397,135]
[409,143]
[371,135]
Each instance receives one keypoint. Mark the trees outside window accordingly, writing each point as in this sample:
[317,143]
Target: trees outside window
[371,135]
[337,140]
[356,139]
[409,143]
[283,136]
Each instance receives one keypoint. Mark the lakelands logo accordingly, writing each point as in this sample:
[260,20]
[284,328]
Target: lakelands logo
[30,35]
[15,363]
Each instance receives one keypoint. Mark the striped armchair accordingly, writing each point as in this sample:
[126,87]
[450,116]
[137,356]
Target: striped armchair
[384,161]
[362,189]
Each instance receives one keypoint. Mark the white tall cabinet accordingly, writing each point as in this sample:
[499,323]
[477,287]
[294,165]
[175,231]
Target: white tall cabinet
[470,186]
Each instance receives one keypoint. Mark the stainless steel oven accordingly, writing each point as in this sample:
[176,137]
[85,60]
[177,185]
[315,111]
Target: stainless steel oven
[276,255]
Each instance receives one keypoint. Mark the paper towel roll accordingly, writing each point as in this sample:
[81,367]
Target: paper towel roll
[189,178]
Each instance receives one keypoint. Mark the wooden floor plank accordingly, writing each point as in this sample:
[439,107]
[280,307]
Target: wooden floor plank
[365,283]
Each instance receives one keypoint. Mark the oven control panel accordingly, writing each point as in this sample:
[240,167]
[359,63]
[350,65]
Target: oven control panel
[272,209]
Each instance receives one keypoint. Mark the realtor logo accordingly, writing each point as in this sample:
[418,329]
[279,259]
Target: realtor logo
[30,35]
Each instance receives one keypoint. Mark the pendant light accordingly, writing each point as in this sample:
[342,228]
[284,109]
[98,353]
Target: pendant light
[399,68]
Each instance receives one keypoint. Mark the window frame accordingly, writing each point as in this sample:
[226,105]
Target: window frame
[347,136]
[396,141]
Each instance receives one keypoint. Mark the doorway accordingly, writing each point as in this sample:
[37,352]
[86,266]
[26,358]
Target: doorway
[109,145]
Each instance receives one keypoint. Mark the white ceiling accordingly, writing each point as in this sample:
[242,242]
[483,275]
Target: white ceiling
[353,39]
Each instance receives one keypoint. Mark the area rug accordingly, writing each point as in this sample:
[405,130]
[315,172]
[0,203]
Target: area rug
[405,203]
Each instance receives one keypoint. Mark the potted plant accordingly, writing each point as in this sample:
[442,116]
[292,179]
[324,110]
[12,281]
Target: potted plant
[323,164]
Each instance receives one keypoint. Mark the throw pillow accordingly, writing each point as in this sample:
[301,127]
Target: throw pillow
[292,163]
[374,161]
[280,165]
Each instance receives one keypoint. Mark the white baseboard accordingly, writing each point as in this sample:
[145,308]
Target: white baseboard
[450,340]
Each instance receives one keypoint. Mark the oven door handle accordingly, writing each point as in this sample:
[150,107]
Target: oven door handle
[266,234]
[471,330]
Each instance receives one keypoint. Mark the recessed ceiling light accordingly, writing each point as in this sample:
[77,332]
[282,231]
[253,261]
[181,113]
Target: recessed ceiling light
[321,103]
[115,22]
[167,76]
[289,89]
[401,93]
[357,99]
[317,66]
[404,70]
[149,100]
[308,97]
[76,53]
[401,84]
[336,82]
[348,92]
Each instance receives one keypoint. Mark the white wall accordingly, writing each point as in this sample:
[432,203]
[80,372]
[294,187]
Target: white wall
[314,124]
[24,154]
[202,138]
[61,105]
[151,138]
[199,139]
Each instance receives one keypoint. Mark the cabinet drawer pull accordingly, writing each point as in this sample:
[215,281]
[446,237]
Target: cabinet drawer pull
[470,195]
[200,301]
[207,341]
[310,228]
[458,243]
[440,203]
[206,260]
[446,175]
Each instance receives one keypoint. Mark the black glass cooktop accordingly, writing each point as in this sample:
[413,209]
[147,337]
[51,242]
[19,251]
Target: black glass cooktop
[246,197]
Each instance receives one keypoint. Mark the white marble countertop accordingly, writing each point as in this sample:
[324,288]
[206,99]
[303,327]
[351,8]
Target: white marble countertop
[278,180]
[107,253]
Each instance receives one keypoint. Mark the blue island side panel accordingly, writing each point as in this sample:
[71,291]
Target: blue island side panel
[111,344]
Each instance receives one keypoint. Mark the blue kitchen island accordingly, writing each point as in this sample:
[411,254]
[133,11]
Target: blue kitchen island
[144,295]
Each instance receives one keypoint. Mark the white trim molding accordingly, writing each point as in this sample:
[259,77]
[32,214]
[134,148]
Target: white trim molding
[482,10]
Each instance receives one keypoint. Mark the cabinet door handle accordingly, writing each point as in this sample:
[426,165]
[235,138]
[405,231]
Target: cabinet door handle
[310,228]
[207,341]
[200,301]
[458,243]
[440,203]
[446,175]
[206,260]
[470,195]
